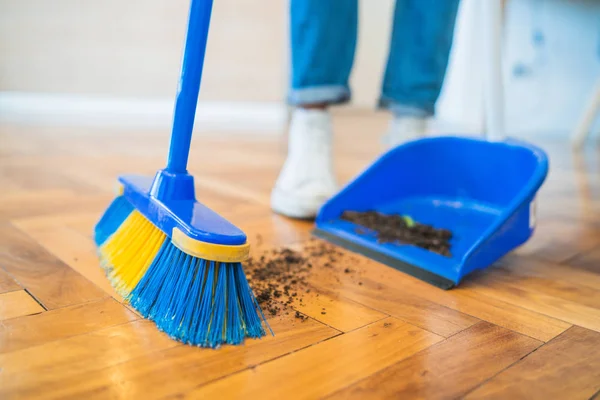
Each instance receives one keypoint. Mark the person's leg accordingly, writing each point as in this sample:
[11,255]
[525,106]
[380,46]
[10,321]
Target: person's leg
[323,40]
[420,46]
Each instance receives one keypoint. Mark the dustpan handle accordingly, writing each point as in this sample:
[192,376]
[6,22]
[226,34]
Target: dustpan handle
[189,85]
[492,74]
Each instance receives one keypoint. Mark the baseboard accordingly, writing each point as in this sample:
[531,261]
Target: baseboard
[134,113]
[228,116]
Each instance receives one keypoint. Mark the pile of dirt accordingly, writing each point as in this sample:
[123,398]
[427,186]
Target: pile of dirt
[279,277]
[394,228]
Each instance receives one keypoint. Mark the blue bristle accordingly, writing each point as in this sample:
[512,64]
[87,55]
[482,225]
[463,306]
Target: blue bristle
[190,317]
[248,303]
[113,217]
[196,301]
[217,324]
[234,330]
[146,285]
[177,305]
[205,309]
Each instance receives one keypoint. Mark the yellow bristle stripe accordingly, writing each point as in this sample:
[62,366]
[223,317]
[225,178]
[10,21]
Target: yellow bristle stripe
[111,248]
[120,241]
[128,253]
[134,264]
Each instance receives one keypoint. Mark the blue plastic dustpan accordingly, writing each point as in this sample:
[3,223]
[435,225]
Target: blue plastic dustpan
[482,191]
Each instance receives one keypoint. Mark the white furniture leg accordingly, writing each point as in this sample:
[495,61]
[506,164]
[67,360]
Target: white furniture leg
[492,74]
[584,125]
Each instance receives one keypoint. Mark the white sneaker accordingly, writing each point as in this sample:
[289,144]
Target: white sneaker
[404,129]
[306,180]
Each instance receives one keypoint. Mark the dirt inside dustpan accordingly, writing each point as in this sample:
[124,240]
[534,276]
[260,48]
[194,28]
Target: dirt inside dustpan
[395,228]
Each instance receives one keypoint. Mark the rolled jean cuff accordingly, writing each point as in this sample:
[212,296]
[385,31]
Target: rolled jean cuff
[401,109]
[333,94]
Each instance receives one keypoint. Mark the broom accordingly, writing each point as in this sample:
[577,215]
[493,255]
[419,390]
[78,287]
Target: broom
[174,260]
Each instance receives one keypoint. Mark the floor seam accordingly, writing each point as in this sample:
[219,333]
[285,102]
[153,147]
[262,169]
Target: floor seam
[282,355]
[514,363]
[68,337]
[35,299]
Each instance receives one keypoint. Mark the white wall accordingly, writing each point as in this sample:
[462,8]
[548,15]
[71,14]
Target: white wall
[132,48]
[116,63]
[121,50]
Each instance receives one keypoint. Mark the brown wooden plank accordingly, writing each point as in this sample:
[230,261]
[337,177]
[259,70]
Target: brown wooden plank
[48,279]
[536,282]
[428,315]
[77,251]
[323,369]
[275,230]
[147,365]
[33,330]
[354,277]
[48,202]
[42,176]
[84,224]
[17,304]
[449,369]
[558,240]
[336,311]
[384,281]
[568,367]
[7,283]
[528,267]
[69,219]
[588,260]
[513,317]
[442,312]
[555,301]
[36,372]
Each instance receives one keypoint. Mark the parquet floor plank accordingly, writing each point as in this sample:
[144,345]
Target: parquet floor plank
[449,369]
[17,304]
[405,297]
[134,360]
[7,283]
[323,369]
[33,330]
[45,277]
[568,367]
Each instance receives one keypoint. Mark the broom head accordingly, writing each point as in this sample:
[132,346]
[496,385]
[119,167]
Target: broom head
[177,262]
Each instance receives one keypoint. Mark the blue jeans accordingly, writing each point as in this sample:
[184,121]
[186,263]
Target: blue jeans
[323,41]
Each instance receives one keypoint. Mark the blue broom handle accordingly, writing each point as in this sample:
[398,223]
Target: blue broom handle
[189,85]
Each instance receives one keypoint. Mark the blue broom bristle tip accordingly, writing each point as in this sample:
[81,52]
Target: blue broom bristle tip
[196,301]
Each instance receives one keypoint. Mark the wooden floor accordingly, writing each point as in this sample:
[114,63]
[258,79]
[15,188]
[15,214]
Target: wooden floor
[527,328]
